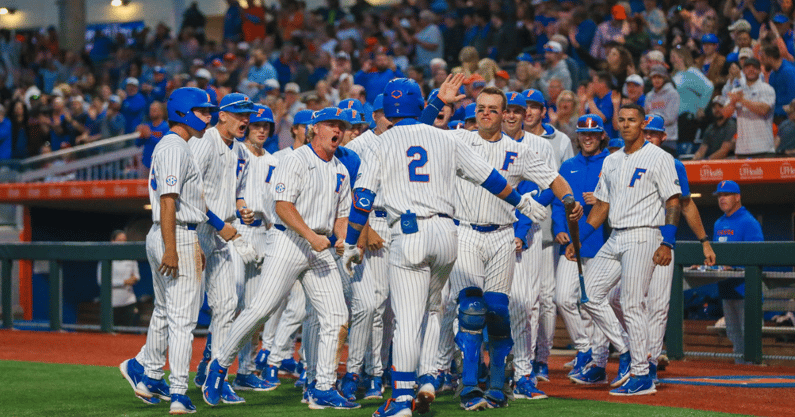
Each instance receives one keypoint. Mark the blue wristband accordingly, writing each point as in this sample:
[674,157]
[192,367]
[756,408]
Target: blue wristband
[514,198]
[586,232]
[669,235]
[495,183]
[215,221]
[353,235]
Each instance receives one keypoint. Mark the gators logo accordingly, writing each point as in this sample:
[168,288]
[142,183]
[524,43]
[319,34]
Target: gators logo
[396,94]
[339,111]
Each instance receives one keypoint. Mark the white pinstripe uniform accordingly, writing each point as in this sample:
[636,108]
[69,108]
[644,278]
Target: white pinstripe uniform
[526,288]
[369,287]
[177,300]
[259,200]
[224,172]
[321,193]
[415,166]
[561,145]
[636,186]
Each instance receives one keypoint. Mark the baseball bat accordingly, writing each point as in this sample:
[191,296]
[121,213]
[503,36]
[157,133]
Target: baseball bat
[574,233]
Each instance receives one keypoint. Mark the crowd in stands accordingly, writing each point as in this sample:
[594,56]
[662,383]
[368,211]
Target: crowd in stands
[719,71]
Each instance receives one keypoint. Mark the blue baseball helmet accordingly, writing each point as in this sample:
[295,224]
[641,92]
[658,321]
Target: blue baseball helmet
[261,114]
[403,98]
[531,95]
[469,111]
[331,113]
[182,101]
[236,103]
[303,117]
[378,103]
[516,98]
[654,122]
[590,123]
[357,115]
[615,143]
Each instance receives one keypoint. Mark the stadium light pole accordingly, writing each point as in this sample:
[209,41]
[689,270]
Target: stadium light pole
[72,24]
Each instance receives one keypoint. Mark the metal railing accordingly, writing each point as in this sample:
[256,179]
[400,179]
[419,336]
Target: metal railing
[752,255]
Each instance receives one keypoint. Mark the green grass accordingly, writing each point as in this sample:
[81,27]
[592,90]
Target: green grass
[40,389]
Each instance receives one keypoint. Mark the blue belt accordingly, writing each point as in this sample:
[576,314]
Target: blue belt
[444,216]
[483,228]
[280,227]
[191,226]
[379,213]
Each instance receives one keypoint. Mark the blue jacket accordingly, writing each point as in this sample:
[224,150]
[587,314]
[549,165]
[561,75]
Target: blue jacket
[374,82]
[582,173]
[741,226]
[133,109]
[5,139]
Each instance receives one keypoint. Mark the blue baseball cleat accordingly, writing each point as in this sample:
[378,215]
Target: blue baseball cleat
[525,389]
[392,408]
[301,381]
[181,404]
[251,382]
[541,371]
[376,389]
[214,384]
[201,373]
[290,367]
[149,387]
[133,372]
[653,373]
[581,361]
[495,398]
[330,398]
[624,365]
[261,360]
[636,385]
[271,374]
[229,396]
[472,399]
[591,375]
[349,385]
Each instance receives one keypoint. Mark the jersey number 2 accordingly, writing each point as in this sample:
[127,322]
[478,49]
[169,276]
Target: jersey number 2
[415,163]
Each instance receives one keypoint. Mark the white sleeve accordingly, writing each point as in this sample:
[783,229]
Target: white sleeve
[369,170]
[242,179]
[344,201]
[536,170]
[666,179]
[469,165]
[602,193]
[169,167]
[288,179]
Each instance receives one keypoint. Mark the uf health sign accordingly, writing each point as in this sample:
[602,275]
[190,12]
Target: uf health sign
[748,171]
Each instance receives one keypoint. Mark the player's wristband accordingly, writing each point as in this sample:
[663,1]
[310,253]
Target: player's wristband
[514,198]
[353,235]
[586,231]
[495,183]
[669,235]
[215,221]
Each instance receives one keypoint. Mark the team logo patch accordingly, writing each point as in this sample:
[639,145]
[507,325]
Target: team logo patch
[676,182]
[396,94]
[280,188]
[171,180]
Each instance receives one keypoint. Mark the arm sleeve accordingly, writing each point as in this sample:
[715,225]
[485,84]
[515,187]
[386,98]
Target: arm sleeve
[545,197]
[537,171]
[681,174]
[168,169]
[602,191]
[288,180]
[753,230]
[432,110]
[344,201]
[559,223]
[666,178]
[469,165]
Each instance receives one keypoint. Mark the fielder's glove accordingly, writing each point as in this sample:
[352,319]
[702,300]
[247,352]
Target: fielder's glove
[352,254]
[532,209]
[246,251]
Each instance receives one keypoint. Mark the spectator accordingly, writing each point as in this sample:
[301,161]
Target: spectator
[113,123]
[634,91]
[375,74]
[754,12]
[638,41]
[786,132]
[663,99]
[741,33]
[260,70]
[428,40]
[233,22]
[656,23]
[292,103]
[79,121]
[58,125]
[123,276]
[753,102]
[152,132]
[556,68]
[133,106]
[782,25]
[19,130]
[717,142]
[710,62]
[695,92]
[453,38]
[736,225]
[781,77]
[694,19]
[553,92]
[6,136]
[619,64]
[565,117]
[598,99]
[614,30]
[469,58]
[504,26]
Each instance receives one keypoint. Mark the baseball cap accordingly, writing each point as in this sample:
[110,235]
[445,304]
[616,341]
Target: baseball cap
[292,88]
[261,114]
[331,113]
[354,117]
[303,117]
[710,38]
[590,123]
[236,103]
[311,97]
[516,98]
[131,80]
[722,100]
[524,56]
[114,99]
[658,70]
[752,61]
[732,57]
[727,186]
[740,24]
[780,18]
[378,103]
[503,74]
[789,108]
[343,55]
[533,95]
[469,111]
[655,56]
[270,84]
[634,79]
[553,46]
[203,73]
[454,124]
[618,12]
[476,80]
[615,143]
[745,53]
[654,122]
[160,70]
[229,56]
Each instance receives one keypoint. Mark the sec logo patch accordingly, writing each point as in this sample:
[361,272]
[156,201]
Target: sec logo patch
[279,188]
[171,180]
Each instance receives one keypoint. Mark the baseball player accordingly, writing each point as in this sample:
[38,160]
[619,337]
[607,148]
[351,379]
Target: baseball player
[261,165]
[178,206]
[582,172]
[222,163]
[415,165]
[639,180]
[312,198]
[544,317]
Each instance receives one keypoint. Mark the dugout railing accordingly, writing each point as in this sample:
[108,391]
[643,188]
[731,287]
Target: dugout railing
[753,256]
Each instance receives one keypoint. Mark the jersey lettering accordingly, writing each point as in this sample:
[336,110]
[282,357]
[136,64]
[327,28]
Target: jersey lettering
[636,176]
[270,174]
[510,157]
[420,162]
[340,179]
[240,164]
[153,181]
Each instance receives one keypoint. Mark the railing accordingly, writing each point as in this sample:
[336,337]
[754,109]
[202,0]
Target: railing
[753,256]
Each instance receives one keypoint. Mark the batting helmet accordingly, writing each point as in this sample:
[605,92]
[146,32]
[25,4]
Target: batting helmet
[303,117]
[590,123]
[469,111]
[378,103]
[403,98]
[181,103]
[654,122]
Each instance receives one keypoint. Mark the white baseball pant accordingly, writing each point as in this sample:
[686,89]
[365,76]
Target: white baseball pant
[525,292]
[292,317]
[567,298]
[547,309]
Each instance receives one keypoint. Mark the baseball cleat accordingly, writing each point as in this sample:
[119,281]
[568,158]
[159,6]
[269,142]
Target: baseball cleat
[330,398]
[653,373]
[662,362]
[301,381]
[495,398]
[271,374]
[580,362]
[290,367]
[149,388]
[201,373]
[392,408]
[445,382]
[133,372]
[472,399]
[181,404]
[376,389]
[229,396]
[426,393]
[262,360]
[624,364]
[349,385]
[636,385]
[541,371]
[306,397]
[214,384]
[251,382]
[570,364]
[591,375]
[525,389]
